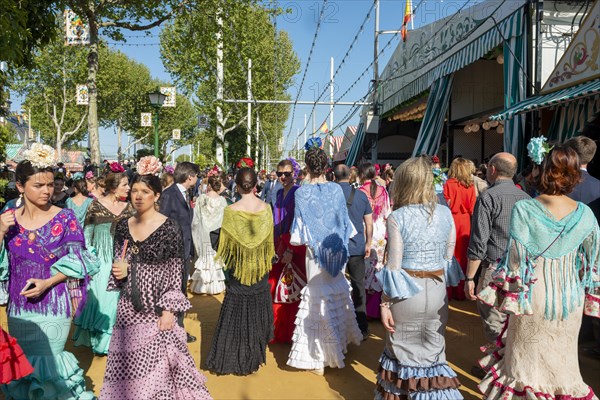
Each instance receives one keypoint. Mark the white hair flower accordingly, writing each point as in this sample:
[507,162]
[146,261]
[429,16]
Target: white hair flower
[149,165]
[40,155]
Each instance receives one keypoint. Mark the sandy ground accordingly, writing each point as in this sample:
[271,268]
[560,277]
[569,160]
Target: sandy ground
[275,380]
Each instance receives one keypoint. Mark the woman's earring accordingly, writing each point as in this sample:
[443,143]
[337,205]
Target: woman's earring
[19,201]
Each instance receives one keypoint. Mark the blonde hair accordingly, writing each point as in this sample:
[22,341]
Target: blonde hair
[353,175]
[462,170]
[413,184]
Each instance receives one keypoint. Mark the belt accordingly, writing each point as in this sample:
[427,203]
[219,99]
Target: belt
[435,275]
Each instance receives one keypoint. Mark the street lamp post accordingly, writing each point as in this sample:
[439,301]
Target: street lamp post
[156,101]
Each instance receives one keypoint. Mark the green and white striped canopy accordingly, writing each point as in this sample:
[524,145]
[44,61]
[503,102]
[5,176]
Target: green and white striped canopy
[591,88]
[356,144]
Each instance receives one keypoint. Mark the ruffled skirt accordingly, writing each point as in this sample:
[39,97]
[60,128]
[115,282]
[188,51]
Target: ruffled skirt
[326,321]
[13,363]
[208,277]
[56,374]
[146,363]
[413,365]
[244,329]
[94,325]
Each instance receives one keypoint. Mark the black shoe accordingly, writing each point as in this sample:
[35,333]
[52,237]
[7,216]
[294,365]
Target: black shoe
[365,335]
[190,338]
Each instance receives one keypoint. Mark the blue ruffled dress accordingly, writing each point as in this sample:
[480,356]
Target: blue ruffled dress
[413,364]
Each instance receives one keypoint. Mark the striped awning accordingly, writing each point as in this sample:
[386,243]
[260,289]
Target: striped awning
[591,88]
[356,144]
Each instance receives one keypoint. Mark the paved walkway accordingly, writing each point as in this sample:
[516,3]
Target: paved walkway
[356,381]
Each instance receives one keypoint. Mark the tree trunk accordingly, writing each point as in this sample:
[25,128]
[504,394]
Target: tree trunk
[59,142]
[94,140]
[119,151]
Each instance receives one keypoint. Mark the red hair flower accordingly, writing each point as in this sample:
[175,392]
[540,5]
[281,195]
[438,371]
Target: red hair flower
[116,167]
[245,162]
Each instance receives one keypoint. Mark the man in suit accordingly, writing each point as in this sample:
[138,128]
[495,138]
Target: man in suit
[271,187]
[175,204]
[588,189]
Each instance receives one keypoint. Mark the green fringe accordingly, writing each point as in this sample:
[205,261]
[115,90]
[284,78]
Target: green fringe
[249,264]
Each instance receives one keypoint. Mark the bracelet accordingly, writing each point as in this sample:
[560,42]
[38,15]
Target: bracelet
[385,304]
[469,279]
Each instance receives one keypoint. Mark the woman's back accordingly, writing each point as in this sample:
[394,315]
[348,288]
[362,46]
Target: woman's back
[424,237]
[460,199]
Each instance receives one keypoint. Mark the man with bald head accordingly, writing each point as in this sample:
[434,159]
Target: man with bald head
[489,234]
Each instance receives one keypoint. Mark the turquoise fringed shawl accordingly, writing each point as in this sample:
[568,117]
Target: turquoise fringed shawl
[326,226]
[532,230]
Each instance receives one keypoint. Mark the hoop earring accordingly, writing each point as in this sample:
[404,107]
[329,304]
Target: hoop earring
[19,201]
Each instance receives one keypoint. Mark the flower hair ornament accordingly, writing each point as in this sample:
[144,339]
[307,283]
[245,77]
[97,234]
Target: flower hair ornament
[313,143]
[89,175]
[116,167]
[149,165]
[169,169]
[295,166]
[213,172]
[537,149]
[245,162]
[40,155]
[77,176]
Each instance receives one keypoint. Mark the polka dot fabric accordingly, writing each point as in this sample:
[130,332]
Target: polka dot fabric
[144,362]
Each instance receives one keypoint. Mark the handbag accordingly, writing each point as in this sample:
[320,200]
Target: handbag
[290,284]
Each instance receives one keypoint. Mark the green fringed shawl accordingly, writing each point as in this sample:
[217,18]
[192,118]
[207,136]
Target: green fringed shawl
[571,263]
[246,244]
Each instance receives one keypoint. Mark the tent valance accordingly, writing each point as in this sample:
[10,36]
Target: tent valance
[356,144]
[446,46]
[581,91]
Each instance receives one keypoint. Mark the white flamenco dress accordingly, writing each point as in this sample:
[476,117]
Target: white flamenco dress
[208,277]
[326,321]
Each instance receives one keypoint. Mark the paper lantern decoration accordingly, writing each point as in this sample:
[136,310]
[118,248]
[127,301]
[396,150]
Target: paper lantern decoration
[176,134]
[171,94]
[82,95]
[76,31]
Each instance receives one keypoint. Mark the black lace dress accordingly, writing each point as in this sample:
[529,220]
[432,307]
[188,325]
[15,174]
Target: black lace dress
[144,362]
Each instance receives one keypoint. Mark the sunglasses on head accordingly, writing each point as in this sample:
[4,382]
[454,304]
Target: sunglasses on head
[286,173]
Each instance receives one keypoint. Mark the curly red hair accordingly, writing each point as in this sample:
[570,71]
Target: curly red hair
[559,173]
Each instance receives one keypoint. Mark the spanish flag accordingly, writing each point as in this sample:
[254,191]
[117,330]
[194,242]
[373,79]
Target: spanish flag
[324,127]
[408,14]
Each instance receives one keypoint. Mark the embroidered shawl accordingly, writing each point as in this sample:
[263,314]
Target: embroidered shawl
[246,244]
[322,222]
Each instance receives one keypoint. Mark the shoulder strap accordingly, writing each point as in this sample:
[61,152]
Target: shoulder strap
[351,197]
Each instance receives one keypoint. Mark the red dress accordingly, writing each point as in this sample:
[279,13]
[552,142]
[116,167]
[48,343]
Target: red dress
[14,363]
[284,314]
[461,201]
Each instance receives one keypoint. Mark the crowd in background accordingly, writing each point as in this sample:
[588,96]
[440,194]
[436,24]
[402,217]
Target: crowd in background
[308,256]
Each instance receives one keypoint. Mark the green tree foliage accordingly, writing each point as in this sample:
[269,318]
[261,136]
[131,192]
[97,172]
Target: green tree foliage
[189,52]
[26,25]
[49,86]
[109,18]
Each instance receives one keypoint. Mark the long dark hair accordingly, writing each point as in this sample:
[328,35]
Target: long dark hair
[367,170]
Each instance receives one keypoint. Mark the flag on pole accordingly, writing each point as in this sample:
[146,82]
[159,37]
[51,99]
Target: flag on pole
[324,127]
[408,14]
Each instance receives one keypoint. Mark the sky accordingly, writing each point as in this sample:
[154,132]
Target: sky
[340,23]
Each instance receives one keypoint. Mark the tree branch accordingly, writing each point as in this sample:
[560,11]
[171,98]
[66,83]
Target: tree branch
[130,145]
[240,122]
[70,133]
[136,27]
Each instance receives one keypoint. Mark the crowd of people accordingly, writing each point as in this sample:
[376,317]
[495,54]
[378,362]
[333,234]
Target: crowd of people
[305,256]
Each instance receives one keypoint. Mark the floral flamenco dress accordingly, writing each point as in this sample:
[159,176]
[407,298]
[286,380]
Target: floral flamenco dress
[541,284]
[94,325]
[208,276]
[380,204]
[41,326]
[144,362]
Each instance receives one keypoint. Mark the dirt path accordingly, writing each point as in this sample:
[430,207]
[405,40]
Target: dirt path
[355,381]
